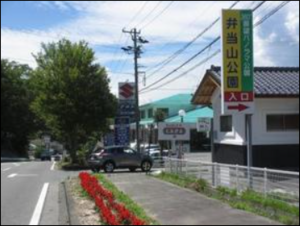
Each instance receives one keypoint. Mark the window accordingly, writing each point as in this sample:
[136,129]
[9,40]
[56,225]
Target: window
[129,151]
[226,124]
[150,113]
[277,123]
[143,116]
[117,151]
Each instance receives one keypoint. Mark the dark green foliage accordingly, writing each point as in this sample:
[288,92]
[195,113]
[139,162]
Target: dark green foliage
[17,121]
[72,93]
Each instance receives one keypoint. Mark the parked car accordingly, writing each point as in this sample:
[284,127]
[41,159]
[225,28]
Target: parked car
[151,147]
[57,158]
[119,157]
[46,156]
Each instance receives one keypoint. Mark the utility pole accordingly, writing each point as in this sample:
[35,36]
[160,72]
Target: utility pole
[136,50]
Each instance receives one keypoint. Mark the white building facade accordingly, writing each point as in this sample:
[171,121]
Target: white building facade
[275,123]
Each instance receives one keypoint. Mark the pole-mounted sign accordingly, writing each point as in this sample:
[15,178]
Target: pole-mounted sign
[237,69]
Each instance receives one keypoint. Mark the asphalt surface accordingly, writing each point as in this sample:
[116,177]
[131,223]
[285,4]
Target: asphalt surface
[172,205]
[21,188]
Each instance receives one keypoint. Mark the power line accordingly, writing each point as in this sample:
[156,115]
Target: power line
[274,11]
[202,13]
[150,13]
[178,52]
[185,63]
[196,55]
[141,9]
[137,14]
[186,72]
[158,15]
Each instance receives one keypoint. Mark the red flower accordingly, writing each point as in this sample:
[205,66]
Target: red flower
[111,212]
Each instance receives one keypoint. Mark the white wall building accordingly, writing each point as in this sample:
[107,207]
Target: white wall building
[275,123]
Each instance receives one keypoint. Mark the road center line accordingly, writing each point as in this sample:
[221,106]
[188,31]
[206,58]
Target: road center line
[12,175]
[53,166]
[3,170]
[36,217]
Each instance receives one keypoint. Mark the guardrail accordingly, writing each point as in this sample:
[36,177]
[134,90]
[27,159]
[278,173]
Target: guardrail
[280,185]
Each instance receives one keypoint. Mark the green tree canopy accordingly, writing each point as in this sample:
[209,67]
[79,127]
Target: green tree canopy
[72,92]
[159,116]
[17,121]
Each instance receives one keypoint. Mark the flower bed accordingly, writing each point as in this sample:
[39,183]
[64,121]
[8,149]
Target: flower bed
[111,212]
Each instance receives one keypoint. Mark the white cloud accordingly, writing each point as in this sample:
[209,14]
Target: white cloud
[101,22]
[61,5]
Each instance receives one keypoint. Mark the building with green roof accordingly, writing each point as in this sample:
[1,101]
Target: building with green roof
[171,107]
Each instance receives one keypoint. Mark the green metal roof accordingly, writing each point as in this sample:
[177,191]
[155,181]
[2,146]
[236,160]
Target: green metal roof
[192,116]
[173,100]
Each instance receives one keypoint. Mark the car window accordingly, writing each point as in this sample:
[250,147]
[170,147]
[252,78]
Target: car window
[129,151]
[98,150]
[152,147]
[118,151]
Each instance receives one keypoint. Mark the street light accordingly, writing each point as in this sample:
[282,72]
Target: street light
[181,114]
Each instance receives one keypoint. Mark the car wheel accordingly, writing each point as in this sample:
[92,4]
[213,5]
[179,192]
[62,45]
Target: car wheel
[146,166]
[109,167]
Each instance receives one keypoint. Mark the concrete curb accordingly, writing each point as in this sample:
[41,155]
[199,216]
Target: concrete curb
[67,214]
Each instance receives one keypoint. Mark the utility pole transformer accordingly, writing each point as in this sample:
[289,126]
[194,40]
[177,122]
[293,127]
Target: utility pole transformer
[136,51]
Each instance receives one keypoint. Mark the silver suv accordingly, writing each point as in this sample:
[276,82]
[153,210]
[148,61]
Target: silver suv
[119,157]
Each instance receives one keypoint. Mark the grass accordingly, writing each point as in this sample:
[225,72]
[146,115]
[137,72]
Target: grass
[68,166]
[126,200]
[249,201]
[185,182]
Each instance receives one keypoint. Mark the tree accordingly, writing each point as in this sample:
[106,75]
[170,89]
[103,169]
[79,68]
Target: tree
[72,93]
[17,120]
[159,116]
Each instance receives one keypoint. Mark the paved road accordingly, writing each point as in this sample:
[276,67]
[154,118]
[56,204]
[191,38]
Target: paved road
[21,193]
[172,205]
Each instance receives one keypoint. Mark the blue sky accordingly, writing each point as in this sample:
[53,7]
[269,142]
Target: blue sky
[26,15]
[168,26]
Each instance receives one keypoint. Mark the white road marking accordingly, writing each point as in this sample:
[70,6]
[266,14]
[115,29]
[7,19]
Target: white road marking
[12,175]
[4,170]
[36,217]
[16,164]
[27,175]
[21,175]
[53,166]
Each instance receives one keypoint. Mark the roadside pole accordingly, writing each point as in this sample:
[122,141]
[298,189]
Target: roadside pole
[136,76]
[212,150]
[238,93]
[249,149]
[138,41]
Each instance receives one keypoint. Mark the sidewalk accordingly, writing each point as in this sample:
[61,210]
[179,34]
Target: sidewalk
[172,205]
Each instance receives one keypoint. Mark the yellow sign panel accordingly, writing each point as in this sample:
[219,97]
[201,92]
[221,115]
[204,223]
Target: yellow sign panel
[232,51]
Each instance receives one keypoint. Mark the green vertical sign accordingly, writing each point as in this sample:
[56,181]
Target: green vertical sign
[247,51]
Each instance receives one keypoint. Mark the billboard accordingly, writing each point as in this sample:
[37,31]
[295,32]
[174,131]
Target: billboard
[173,131]
[237,65]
